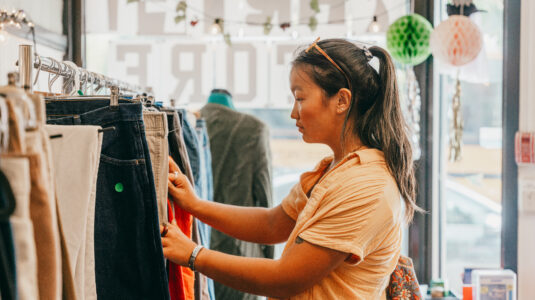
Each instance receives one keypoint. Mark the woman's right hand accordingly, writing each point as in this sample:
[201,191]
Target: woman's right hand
[180,189]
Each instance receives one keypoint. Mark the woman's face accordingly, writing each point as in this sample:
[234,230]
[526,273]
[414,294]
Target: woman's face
[314,115]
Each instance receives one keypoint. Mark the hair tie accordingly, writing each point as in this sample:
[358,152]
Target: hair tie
[367,53]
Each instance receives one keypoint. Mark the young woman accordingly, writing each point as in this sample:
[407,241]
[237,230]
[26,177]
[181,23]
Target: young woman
[343,221]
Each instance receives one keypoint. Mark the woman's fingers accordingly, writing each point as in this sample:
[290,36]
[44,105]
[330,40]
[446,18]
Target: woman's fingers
[172,189]
[165,242]
[173,167]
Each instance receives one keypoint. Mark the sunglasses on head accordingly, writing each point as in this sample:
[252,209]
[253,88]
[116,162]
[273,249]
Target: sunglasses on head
[315,45]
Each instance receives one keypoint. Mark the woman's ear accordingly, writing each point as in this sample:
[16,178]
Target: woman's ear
[343,101]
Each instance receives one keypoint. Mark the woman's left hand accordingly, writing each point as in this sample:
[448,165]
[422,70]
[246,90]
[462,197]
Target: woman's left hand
[177,247]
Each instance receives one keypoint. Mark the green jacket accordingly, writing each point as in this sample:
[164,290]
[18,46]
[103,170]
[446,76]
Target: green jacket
[241,166]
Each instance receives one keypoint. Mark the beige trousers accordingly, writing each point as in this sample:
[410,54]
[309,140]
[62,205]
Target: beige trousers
[17,171]
[76,156]
[156,132]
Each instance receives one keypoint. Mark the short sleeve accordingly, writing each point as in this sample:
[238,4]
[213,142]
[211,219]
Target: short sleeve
[349,219]
[294,203]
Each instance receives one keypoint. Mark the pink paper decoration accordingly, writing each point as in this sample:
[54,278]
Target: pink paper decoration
[456,41]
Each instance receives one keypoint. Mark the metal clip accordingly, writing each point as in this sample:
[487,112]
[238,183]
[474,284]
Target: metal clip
[114,98]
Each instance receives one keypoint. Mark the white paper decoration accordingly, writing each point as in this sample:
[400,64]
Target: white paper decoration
[456,41]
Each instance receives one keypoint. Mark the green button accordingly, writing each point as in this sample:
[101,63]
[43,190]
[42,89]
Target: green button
[119,187]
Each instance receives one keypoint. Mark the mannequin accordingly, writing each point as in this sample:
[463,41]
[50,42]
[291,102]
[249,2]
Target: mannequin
[221,96]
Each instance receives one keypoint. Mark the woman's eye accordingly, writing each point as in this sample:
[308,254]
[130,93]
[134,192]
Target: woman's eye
[298,99]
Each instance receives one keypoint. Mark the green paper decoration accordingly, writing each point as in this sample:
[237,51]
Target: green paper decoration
[313,23]
[268,26]
[407,39]
[314,5]
[227,39]
[180,12]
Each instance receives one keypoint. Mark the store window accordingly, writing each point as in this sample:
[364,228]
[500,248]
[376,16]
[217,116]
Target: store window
[470,189]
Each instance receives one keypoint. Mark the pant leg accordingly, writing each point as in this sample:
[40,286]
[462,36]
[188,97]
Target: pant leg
[75,188]
[156,132]
[17,171]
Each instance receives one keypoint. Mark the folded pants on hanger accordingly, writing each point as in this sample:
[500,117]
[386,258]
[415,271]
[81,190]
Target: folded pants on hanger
[156,132]
[17,170]
[129,261]
[76,158]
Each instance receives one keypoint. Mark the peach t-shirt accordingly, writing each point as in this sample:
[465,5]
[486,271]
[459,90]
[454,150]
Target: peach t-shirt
[355,208]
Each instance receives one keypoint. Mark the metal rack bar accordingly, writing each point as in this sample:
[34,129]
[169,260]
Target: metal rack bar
[25,67]
[53,66]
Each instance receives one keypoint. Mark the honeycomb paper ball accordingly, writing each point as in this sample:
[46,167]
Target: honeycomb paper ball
[407,39]
[456,41]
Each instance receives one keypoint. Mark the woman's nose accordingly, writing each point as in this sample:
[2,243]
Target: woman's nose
[294,115]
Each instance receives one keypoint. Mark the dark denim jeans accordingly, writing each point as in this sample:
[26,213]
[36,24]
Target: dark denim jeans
[129,261]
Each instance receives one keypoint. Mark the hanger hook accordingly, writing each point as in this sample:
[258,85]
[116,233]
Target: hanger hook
[40,64]
[56,76]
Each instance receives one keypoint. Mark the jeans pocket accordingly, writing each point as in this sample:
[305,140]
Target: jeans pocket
[121,162]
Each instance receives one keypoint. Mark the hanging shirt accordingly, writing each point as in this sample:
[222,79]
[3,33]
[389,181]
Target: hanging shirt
[355,208]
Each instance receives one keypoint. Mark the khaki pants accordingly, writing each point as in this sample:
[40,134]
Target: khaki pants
[156,134]
[76,156]
[17,171]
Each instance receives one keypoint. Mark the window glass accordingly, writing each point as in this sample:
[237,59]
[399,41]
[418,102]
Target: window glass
[470,189]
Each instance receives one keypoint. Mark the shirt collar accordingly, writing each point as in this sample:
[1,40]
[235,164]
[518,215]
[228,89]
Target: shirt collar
[369,155]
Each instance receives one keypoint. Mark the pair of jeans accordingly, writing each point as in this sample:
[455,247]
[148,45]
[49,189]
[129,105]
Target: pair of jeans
[192,146]
[129,261]
[205,187]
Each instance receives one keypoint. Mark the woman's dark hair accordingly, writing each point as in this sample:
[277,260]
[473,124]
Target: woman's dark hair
[375,111]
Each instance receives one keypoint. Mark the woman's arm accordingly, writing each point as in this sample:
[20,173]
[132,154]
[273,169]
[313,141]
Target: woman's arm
[252,224]
[302,266]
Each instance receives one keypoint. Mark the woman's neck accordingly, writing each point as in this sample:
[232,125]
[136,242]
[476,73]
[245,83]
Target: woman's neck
[340,152]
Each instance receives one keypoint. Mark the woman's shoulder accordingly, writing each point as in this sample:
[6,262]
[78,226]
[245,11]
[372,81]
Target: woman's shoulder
[359,183]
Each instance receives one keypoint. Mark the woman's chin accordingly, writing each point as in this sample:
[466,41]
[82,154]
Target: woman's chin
[306,138]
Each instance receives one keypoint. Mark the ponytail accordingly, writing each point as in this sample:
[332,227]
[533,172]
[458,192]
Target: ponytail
[384,127]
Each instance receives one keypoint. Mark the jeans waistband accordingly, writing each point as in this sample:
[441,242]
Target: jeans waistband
[78,112]
[155,122]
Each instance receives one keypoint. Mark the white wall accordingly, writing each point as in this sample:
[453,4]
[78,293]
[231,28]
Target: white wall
[9,54]
[526,224]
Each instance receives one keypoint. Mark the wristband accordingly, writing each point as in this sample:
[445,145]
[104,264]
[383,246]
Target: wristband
[191,262]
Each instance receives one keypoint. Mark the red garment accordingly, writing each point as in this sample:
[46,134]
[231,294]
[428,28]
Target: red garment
[181,279]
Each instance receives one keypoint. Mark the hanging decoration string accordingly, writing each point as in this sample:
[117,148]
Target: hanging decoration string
[303,21]
[456,130]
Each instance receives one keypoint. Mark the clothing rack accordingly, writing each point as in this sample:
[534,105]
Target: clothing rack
[27,62]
